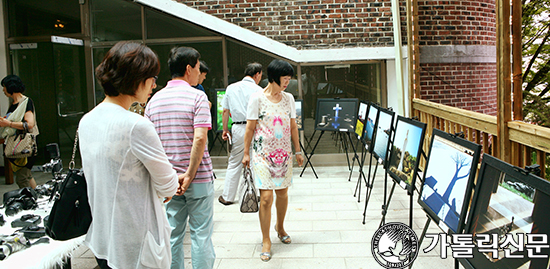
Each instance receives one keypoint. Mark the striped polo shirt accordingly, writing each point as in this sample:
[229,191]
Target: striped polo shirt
[176,111]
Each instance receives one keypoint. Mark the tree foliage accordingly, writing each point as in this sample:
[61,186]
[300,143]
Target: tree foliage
[536,61]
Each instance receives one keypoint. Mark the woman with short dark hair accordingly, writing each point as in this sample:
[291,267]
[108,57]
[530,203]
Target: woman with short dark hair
[271,124]
[127,171]
[20,116]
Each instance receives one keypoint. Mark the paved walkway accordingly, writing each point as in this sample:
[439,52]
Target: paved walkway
[323,219]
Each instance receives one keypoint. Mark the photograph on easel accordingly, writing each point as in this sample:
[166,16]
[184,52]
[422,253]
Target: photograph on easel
[361,117]
[406,151]
[220,94]
[509,204]
[370,126]
[448,179]
[384,129]
[298,106]
[336,114]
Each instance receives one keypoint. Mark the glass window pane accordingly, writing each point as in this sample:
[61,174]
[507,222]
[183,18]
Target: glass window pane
[43,17]
[362,81]
[157,23]
[97,57]
[114,20]
[211,53]
[239,56]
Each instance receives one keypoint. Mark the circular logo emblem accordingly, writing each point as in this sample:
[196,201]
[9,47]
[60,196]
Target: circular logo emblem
[395,245]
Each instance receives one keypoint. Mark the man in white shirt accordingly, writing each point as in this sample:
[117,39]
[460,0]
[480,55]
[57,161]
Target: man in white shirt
[235,103]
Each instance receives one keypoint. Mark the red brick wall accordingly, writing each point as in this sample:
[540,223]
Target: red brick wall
[320,24]
[469,86]
[311,24]
[457,22]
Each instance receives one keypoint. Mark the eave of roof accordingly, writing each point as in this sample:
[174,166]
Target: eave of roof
[267,44]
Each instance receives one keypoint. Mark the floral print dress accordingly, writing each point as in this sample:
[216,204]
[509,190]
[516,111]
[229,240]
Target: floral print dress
[271,144]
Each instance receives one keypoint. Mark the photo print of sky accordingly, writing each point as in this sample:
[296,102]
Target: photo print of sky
[404,152]
[385,122]
[446,180]
[362,111]
[359,127]
[370,124]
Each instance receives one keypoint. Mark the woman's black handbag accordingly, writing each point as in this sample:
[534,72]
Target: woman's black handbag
[249,203]
[71,215]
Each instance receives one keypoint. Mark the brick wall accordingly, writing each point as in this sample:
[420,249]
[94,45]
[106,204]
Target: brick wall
[457,22]
[321,24]
[311,24]
[469,86]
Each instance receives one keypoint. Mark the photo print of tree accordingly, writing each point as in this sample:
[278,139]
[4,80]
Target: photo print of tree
[407,143]
[448,179]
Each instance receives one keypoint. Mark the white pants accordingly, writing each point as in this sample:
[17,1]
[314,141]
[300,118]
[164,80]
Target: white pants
[234,165]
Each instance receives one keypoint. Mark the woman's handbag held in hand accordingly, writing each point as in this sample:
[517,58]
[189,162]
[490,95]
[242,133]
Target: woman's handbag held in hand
[20,145]
[71,215]
[249,202]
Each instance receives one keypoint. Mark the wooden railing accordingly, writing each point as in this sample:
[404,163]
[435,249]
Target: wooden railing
[526,139]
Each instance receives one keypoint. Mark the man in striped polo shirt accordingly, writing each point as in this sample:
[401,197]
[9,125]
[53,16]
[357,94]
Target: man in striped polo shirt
[181,116]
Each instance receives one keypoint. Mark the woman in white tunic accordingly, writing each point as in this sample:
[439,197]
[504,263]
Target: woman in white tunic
[127,172]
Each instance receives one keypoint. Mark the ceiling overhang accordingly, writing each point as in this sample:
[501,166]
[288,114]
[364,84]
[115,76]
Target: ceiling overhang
[264,43]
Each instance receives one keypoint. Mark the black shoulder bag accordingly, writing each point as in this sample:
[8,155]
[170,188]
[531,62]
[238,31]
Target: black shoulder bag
[71,215]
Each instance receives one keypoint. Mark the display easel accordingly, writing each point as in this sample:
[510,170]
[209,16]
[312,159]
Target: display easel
[362,175]
[370,188]
[308,158]
[335,115]
[218,137]
[340,135]
[410,192]
[355,157]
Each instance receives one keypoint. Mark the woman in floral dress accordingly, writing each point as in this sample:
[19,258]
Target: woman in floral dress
[271,127]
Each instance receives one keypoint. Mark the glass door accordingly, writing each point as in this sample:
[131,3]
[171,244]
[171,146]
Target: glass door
[70,92]
[55,79]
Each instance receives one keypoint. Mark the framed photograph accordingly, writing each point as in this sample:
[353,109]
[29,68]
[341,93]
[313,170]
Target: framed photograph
[361,118]
[220,94]
[362,113]
[384,130]
[509,203]
[298,105]
[370,127]
[448,180]
[406,151]
[336,114]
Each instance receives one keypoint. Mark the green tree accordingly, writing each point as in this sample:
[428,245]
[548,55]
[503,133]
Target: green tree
[536,56]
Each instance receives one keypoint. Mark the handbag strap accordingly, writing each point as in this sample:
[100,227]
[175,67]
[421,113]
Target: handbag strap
[71,163]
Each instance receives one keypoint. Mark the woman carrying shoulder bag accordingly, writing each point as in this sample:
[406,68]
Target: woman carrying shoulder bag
[20,116]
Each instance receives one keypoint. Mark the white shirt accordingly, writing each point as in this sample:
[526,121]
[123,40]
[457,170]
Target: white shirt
[126,171]
[236,97]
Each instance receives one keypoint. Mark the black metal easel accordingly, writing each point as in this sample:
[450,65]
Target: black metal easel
[310,155]
[409,192]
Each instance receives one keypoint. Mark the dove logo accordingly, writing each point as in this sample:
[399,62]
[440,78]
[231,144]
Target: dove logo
[395,245]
